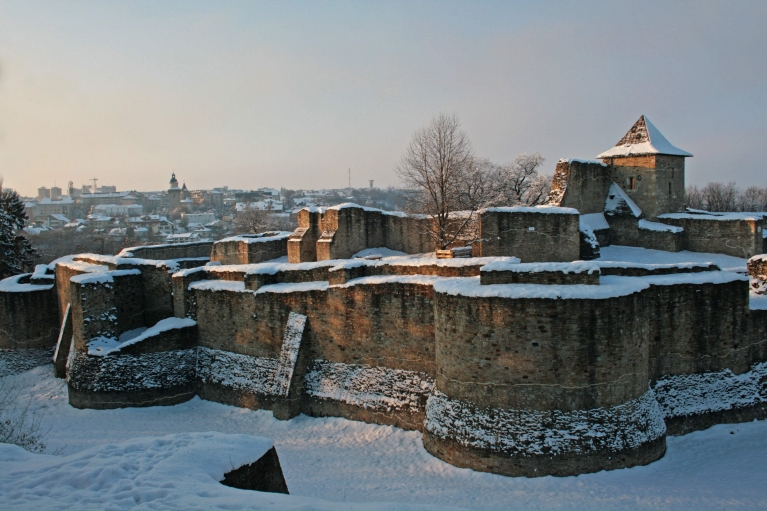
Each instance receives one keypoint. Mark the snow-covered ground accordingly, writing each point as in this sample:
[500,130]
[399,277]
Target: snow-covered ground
[333,463]
[617,253]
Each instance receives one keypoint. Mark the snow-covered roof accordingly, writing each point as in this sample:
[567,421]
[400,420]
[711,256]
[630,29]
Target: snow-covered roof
[643,138]
[618,202]
[62,200]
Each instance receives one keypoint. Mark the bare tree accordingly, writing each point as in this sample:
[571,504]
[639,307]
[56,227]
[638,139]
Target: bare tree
[251,221]
[720,197]
[520,183]
[753,198]
[695,198]
[444,179]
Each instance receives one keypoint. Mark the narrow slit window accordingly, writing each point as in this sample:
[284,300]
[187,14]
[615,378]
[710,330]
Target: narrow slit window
[669,188]
[632,183]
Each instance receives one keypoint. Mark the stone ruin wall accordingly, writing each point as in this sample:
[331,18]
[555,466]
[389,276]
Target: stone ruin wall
[531,236]
[389,349]
[250,249]
[341,232]
[737,238]
[28,319]
[625,230]
[171,251]
[581,185]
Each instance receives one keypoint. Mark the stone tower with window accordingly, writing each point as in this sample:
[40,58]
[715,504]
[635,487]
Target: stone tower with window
[649,169]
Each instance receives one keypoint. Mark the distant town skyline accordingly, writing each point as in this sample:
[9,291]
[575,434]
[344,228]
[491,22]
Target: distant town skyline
[294,95]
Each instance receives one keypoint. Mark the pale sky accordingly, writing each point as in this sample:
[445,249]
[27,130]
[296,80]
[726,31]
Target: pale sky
[251,94]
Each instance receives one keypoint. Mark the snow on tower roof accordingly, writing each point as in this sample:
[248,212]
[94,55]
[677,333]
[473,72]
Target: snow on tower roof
[643,138]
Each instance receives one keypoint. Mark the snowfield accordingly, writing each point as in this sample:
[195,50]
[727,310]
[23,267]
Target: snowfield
[114,459]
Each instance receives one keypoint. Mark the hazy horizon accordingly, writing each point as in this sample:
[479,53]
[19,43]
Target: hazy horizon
[292,95]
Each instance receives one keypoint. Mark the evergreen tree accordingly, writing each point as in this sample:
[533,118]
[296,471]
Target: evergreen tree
[16,252]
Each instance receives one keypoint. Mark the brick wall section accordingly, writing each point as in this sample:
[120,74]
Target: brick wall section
[507,353]
[28,319]
[234,251]
[555,238]
[738,238]
[580,185]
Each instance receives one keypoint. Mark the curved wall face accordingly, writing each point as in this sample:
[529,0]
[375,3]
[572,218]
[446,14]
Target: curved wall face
[538,387]
[697,328]
[542,354]
[28,319]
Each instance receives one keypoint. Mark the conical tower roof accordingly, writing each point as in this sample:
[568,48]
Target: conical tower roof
[642,139]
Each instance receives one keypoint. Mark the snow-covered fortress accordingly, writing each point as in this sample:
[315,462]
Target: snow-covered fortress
[534,357]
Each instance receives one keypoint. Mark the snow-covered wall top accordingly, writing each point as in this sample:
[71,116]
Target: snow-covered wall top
[643,139]
[659,227]
[12,285]
[128,252]
[102,277]
[715,216]
[347,205]
[103,346]
[546,210]
[610,287]
[86,267]
[257,238]
[593,222]
[578,160]
[575,267]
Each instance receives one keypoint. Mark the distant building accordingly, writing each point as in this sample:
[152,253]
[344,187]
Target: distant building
[56,221]
[45,207]
[198,218]
[43,193]
[174,193]
[184,237]
[118,209]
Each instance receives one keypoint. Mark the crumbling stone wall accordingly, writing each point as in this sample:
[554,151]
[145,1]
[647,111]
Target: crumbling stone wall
[302,244]
[548,236]
[580,184]
[339,232]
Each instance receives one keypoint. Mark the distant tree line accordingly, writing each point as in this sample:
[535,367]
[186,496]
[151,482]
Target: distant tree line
[727,197]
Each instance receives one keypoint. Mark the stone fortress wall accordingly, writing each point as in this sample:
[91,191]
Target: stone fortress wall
[503,365]
[522,361]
